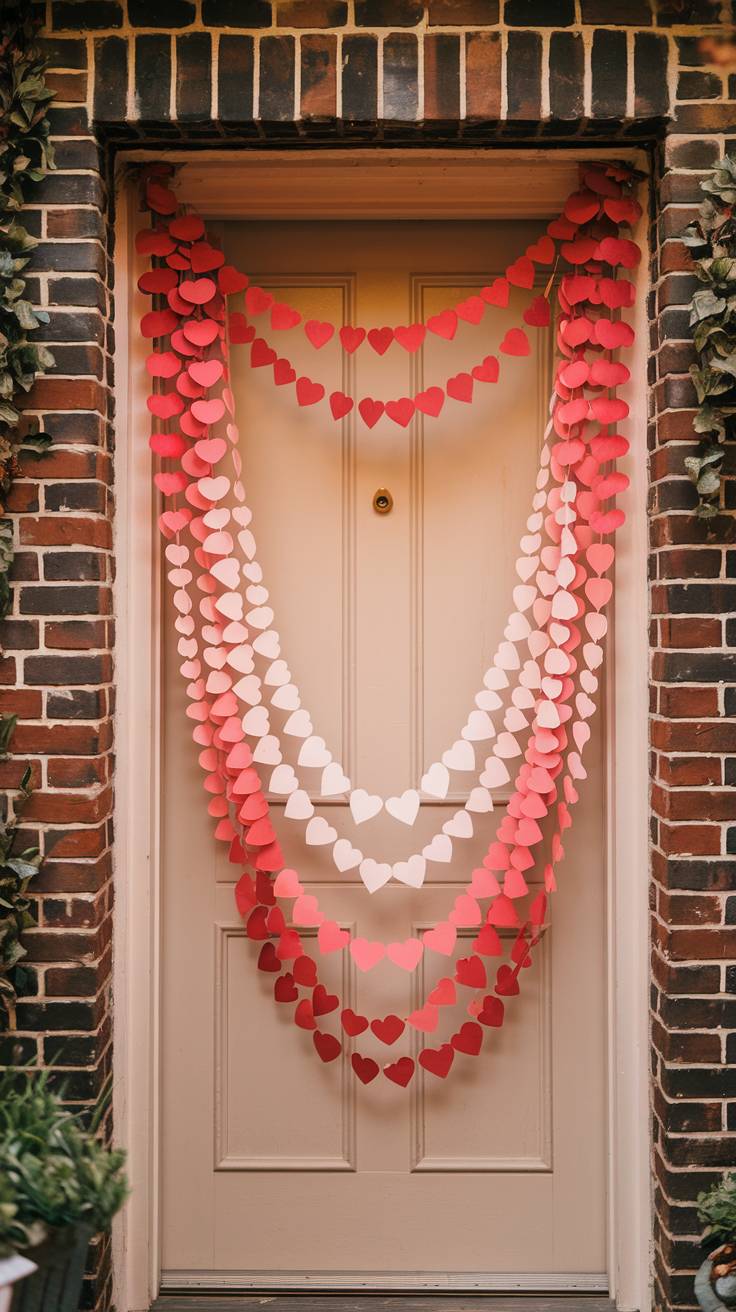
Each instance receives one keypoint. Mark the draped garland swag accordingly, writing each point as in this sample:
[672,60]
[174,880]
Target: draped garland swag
[242,701]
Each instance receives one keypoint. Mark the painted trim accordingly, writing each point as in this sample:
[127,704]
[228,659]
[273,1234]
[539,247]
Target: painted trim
[136,1236]
[459,1282]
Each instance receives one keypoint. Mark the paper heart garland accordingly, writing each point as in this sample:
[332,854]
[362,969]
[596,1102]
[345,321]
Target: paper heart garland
[536,774]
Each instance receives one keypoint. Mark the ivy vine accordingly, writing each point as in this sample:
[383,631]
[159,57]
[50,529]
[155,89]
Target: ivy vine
[17,869]
[25,154]
[712,237]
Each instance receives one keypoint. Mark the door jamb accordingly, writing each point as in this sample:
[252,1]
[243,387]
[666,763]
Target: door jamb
[137,909]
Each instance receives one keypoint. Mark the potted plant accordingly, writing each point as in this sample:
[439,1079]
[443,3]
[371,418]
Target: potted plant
[715,1282]
[61,1186]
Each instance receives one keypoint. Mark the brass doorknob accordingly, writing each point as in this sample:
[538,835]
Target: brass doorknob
[383,502]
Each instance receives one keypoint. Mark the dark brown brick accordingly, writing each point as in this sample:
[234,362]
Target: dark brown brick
[168,13]
[319,76]
[651,54]
[524,75]
[463,13]
[400,76]
[441,76]
[566,74]
[388,13]
[111,79]
[79,15]
[608,66]
[153,77]
[311,13]
[359,77]
[483,75]
[193,77]
[539,13]
[276,102]
[236,13]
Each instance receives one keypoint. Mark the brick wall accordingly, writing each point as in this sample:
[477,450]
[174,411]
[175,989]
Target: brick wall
[397,71]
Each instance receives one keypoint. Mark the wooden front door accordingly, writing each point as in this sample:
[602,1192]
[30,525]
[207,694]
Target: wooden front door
[278,1170]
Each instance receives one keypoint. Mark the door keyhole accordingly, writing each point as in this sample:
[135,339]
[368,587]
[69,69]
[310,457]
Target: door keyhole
[382,501]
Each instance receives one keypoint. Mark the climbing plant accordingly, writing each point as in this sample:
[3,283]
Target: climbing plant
[25,154]
[712,238]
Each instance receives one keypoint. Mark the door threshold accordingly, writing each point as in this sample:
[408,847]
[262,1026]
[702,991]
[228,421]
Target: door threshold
[340,1302]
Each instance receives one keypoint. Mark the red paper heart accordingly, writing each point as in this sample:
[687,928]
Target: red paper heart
[609,448]
[616,293]
[165,405]
[158,323]
[161,199]
[154,281]
[163,364]
[507,983]
[283,316]
[497,293]
[444,324]
[351,338]
[600,556]
[608,521]
[201,332]
[443,994]
[579,251]
[340,404]
[471,310]
[488,944]
[267,959]
[538,314]
[261,354]
[305,971]
[205,372]
[460,388]
[400,411]
[188,227]
[318,332]
[543,251]
[365,1068]
[308,392]
[284,988]
[608,373]
[622,209]
[561,229]
[352,1023]
[491,1012]
[521,272]
[581,206]
[471,972]
[400,1072]
[323,1002]
[153,241]
[469,1038]
[255,926]
[576,331]
[611,334]
[304,1016]
[240,329]
[411,336]
[380,339]
[389,1029]
[609,409]
[173,521]
[502,913]
[437,1060]
[370,410]
[257,301]
[205,257]
[487,371]
[283,373]
[167,444]
[515,342]
[197,292]
[619,250]
[170,484]
[328,1047]
[430,401]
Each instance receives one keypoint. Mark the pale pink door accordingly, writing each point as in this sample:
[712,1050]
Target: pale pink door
[278,1171]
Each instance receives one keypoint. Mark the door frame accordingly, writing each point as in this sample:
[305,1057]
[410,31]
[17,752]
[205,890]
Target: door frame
[484,182]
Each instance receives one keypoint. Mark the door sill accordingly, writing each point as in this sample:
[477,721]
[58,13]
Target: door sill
[382,1302]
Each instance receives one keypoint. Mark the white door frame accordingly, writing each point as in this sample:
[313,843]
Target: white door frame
[454,184]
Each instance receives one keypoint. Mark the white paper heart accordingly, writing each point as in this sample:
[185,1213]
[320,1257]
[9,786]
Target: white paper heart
[363,805]
[459,826]
[495,774]
[460,756]
[410,872]
[404,808]
[298,806]
[313,753]
[267,750]
[436,781]
[319,832]
[346,856]
[479,727]
[440,849]
[267,644]
[333,780]
[283,781]
[286,698]
[256,722]
[374,874]
[299,724]
[479,801]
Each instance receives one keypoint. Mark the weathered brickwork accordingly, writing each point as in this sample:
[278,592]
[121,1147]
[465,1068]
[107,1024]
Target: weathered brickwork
[399,72]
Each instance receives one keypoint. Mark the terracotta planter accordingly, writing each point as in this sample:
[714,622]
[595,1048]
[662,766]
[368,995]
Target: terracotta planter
[57,1284]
